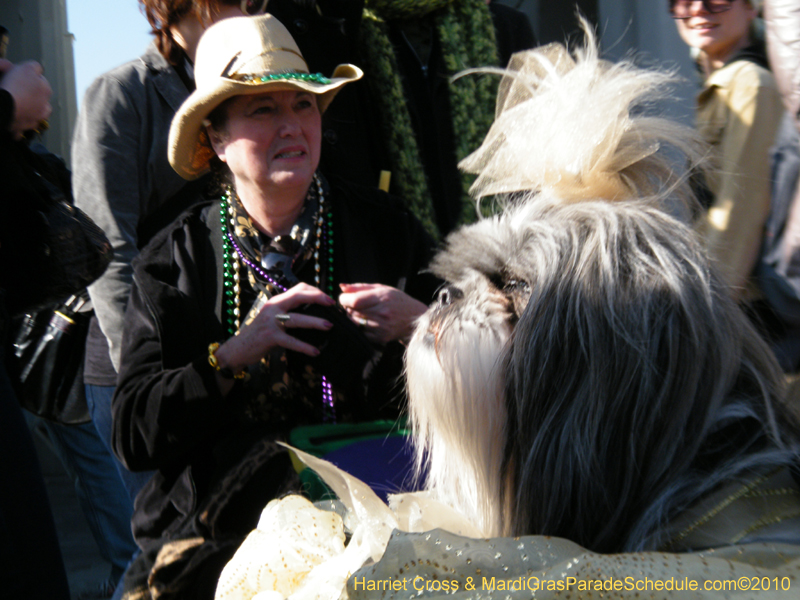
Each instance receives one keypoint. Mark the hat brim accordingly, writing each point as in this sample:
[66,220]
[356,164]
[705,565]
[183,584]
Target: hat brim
[189,150]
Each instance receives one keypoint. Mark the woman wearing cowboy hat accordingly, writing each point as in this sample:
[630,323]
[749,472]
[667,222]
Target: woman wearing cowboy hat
[214,371]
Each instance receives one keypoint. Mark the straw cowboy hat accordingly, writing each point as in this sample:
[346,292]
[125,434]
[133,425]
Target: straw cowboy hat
[242,55]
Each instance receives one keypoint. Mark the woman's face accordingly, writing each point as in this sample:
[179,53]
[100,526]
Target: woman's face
[718,35]
[271,140]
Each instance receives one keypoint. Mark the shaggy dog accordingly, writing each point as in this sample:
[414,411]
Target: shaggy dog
[584,373]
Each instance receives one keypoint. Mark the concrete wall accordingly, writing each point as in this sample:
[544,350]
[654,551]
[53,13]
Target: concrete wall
[38,31]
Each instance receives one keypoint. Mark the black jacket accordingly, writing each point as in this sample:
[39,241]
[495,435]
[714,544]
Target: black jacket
[168,412]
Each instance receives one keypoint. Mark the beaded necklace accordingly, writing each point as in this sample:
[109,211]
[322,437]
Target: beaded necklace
[233,256]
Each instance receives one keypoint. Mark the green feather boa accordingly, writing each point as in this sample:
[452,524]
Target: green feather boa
[467,39]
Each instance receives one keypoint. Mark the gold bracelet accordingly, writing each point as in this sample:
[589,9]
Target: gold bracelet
[225,372]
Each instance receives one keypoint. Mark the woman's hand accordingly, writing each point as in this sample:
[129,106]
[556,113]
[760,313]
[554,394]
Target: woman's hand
[265,332]
[385,313]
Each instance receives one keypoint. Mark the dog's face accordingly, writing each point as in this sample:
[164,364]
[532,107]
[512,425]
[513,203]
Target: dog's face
[562,328]
[454,367]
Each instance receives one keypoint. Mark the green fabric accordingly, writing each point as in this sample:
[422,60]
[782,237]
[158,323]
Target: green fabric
[467,38]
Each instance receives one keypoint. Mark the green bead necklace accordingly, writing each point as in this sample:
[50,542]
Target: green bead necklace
[232,257]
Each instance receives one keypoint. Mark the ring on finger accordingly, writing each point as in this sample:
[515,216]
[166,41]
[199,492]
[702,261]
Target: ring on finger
[282,320]
[362,321]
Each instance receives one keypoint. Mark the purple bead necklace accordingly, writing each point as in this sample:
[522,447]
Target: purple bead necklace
[231,278]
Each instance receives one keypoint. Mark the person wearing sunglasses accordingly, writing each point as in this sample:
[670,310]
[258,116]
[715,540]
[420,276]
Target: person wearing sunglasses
[738,112]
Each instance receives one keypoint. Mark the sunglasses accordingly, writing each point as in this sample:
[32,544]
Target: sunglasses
[254,7]
[681,9]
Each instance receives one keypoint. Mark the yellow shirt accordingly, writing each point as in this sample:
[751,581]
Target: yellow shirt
[738,114]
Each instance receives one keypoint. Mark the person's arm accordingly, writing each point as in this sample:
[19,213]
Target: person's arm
[387,313]
[24,101]
[106,185]
[161,411]
[735,222]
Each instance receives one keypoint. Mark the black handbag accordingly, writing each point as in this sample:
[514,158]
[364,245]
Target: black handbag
[58,252]
[55,250]
[46,362]
[77,250]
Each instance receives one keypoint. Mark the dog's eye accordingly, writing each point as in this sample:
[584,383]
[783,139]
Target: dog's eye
[519,292]
[517,286]
[449,294]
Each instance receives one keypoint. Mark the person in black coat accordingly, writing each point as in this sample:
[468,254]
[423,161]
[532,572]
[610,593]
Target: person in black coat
[233,337]
[31,566]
